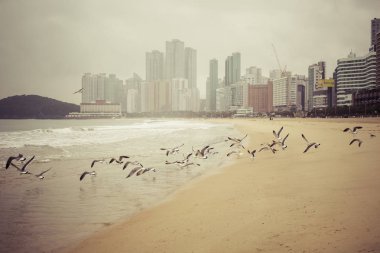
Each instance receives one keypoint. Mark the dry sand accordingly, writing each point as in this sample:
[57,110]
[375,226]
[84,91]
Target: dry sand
[327,200]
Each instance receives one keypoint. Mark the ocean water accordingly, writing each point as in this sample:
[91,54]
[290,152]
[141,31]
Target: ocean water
[50,215]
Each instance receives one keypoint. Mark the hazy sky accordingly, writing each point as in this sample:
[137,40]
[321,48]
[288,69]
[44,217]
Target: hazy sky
[47,45]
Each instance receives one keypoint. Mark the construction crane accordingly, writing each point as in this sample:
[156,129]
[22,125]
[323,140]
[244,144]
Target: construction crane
[278,62]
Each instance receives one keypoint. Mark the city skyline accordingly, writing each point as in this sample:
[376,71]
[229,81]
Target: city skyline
[47,50]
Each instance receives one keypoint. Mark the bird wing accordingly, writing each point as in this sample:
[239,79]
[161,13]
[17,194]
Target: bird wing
[93,163]
[346,129]
[263,148]
[27,163]
[356,128]
[283,141]
[232,139]
[244,137]
[279,131]
[112,160]
[230,153]
[43,172]
[15,166]
[122,157]
[309,146]
[275,134]
[359,141]
[126,164]
[179,146]
[303,137]
[10,159]
[203,149]
[83,175]
[188,156]
[133,171]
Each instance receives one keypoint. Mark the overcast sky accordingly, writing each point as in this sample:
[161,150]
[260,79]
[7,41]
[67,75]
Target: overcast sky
[47,45]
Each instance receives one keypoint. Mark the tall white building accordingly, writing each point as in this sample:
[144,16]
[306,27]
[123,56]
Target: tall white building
[132,100]
[232,69]
[147,97]
[154,65]
[239,95]
[281,94]
[223,99]
[175,59]
[181,95]
[113,89]
[275,74]
[354,73]
[213,82]
[191,66]
[93,87]
[253,75]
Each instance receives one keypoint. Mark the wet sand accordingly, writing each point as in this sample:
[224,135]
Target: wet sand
[327,200]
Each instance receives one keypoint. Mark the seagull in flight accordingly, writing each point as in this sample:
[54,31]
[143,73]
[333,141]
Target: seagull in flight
[277,134]
[115,160]
[236,140]
[202,154]
[139,171]
[78,91]
[92,173]
[354,130]
[96,161]
[283,145]
[309,144]
[41,174]
[172,151]
[19,157]
[267,146]
[252,153]
[358,141]
[134,163]
[372,135]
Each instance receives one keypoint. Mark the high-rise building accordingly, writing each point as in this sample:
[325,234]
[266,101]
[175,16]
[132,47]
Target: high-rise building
[354,73]
[315,93]
[294,91]
[191,66]
[260,97]
[133,83]
[154,65]
[180,95]
[239,95]
[378,60]
[213,84]
[253,76]
[232,69]
[281,87]
[275,74]
[375,29]
[175,59]
[223,99]
[93,87]
[113,89]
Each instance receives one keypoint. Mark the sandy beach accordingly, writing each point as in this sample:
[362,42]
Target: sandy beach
[326,200]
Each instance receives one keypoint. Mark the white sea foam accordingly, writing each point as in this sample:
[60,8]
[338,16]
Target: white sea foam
[70,136]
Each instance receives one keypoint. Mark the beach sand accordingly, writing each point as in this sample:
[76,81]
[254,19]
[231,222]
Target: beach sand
[327,200]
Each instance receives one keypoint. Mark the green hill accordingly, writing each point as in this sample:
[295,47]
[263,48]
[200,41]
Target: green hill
[34,107]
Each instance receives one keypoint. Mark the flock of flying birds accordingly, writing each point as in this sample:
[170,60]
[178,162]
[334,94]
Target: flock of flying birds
[204,153]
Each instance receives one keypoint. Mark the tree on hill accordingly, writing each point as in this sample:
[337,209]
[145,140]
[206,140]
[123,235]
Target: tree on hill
[34,107]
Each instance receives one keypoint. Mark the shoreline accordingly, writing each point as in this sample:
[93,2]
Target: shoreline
[269,205]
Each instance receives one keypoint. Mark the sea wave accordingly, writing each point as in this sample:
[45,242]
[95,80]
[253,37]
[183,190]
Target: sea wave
[96,134]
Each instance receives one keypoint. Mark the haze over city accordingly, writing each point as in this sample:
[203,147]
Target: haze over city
[46,46]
